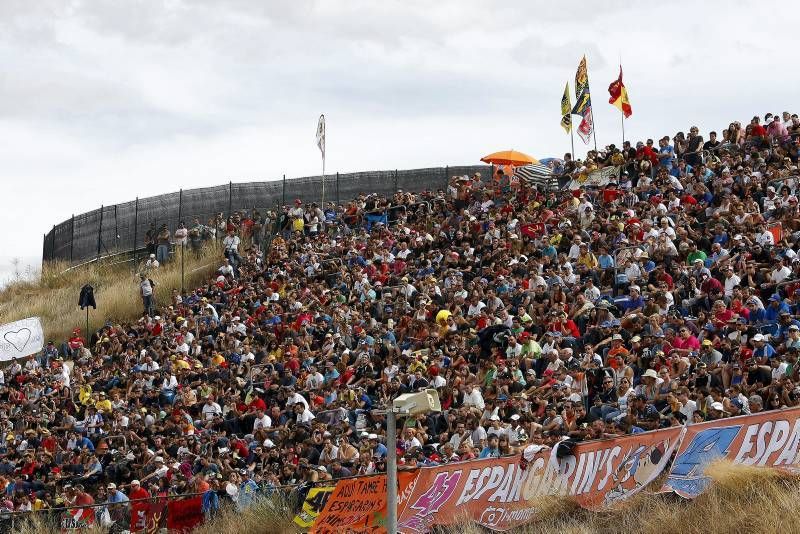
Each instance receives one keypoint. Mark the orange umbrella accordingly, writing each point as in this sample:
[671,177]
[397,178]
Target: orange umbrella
[509,157]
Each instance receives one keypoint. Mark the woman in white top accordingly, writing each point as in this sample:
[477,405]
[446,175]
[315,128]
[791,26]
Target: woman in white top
[624,392]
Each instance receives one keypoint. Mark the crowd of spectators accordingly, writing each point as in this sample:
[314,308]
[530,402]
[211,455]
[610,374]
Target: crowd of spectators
[667,296]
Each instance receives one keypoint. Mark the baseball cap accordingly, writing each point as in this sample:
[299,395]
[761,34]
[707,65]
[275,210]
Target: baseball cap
[718,406]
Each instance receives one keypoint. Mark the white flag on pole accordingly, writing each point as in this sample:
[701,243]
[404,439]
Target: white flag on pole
[321,135]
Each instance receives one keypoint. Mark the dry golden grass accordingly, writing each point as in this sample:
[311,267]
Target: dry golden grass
[271,515]
[53,295]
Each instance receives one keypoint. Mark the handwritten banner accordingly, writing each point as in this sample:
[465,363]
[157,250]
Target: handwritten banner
[21,338]
[356,505]
[770,439]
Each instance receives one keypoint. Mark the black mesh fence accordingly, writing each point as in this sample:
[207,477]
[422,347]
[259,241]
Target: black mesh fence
[122,227]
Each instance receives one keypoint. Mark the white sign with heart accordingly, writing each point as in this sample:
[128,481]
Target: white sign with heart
[21,338]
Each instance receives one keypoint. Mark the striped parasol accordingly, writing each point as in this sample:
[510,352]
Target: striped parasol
[537,175]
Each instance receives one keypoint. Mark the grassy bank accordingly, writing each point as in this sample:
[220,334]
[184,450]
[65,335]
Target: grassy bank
[53,295]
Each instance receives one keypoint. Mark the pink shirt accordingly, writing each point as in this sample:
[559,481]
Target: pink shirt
[777,130]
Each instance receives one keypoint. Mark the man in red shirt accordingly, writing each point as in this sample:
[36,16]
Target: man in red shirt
[758,134]
[137,491]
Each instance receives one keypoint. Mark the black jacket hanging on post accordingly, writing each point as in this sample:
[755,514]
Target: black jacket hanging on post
[87,297]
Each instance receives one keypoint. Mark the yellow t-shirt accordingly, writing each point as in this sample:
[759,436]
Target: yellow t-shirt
[85,394]
[104,405]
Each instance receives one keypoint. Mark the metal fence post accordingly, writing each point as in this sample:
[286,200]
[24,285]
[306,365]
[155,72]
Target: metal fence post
[135,230]
[72,237]
[283,193]
[180,206]
[100,233]
[337,189]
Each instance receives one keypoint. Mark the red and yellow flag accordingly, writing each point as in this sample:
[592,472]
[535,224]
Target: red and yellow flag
[619,95]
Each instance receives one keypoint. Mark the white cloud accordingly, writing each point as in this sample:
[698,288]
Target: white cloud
[101,101]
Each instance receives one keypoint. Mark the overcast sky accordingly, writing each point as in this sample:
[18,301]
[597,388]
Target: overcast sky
[101,101]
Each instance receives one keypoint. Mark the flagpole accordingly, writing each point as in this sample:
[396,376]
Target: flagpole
[322,204]
[622,119]
[572,137]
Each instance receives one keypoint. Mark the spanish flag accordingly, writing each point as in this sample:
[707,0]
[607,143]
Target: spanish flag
[619,95]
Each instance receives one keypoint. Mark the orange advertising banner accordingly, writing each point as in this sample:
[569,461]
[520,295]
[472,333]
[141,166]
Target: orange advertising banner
[498,494]
[770,439]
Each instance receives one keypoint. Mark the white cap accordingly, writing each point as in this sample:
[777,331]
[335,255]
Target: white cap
[135,482]
[494,417]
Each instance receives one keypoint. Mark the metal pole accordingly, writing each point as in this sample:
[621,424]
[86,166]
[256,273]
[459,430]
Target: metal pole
[572,137]
[283,194]
[116,227]
[183,287]
[322,204]
[135,230]
[100,233]
[337,189]
[622,118]
[72,237]
[87,325]
[180,205]
[391,471]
